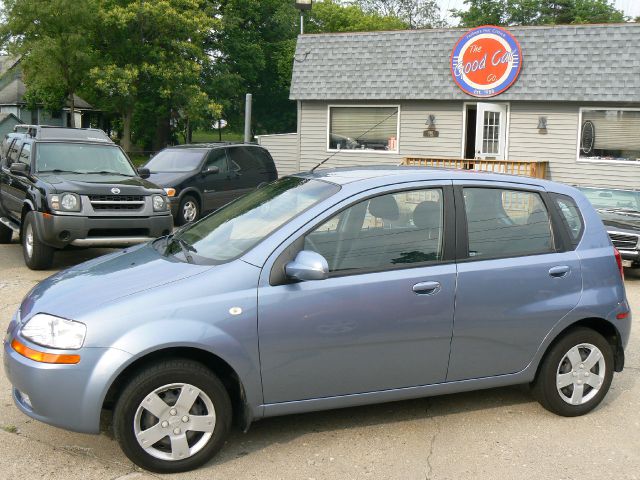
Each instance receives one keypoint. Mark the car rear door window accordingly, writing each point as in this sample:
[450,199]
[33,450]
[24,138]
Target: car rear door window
[506,223]
[388,231]
[242,160]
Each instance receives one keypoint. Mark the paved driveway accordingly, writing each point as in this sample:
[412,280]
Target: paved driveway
[492,434]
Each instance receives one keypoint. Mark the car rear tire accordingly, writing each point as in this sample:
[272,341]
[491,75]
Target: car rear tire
[37,255]
[5,234]
[172,416]
[188,211]
[575,373]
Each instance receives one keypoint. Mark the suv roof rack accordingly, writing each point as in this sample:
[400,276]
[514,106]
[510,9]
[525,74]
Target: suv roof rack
[49,132]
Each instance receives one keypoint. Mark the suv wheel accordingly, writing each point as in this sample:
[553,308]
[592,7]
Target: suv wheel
[37,255]
[575,374]
[5,234]
[189,210]
[172,416]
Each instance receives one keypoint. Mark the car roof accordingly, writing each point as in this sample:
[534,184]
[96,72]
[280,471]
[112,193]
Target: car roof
[346,175]
[212,145]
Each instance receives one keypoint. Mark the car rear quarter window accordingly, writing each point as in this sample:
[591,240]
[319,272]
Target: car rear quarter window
[570,216]
[249,158]
[506,223]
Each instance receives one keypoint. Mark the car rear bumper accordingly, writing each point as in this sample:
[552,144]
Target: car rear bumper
[66,396]
[60,231]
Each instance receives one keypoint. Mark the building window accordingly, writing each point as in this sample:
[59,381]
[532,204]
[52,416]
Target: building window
[364,128]
[611,134]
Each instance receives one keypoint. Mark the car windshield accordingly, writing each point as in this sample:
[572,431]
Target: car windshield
[613,199]
[82,158]
[236,228]
[176,160]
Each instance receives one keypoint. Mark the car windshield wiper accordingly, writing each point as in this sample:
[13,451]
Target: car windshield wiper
[186,247]
[58,170]
[109,172]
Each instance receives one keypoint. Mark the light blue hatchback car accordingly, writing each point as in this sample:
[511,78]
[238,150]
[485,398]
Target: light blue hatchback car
[325,290]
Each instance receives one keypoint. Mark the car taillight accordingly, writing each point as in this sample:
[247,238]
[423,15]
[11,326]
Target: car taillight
[619,261]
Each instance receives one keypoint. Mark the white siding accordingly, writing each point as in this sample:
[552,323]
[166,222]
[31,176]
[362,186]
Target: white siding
[559,146]
[413,117]
[284,150]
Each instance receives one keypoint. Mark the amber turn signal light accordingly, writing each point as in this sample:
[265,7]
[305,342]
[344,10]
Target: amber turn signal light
[43,357]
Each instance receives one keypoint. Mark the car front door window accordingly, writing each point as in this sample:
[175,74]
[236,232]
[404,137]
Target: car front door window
[388,231]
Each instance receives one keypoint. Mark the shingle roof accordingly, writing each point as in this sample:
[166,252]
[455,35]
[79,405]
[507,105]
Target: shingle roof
[562,63]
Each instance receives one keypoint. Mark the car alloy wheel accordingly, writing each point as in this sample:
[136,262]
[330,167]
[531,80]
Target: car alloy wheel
[28,240]
[580,374]
[189,211]
[174,421]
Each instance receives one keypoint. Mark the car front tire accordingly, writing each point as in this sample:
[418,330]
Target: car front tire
[188,211]
[575,374]
[37,255]
[172,416]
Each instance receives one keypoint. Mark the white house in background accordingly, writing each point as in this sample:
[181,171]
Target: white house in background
[12,90]
[572,100]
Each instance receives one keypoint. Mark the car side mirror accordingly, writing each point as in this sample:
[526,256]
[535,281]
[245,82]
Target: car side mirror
[18,168]
[144,172]
[306,266]
[211,170]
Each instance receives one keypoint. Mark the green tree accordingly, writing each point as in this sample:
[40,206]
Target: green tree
[415,13]
[152,56]
[254,51]
[537,12]
[50,36]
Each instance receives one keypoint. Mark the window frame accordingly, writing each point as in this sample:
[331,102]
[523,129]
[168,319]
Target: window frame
[586,160]
[295,243]
[560,237]
[362,151]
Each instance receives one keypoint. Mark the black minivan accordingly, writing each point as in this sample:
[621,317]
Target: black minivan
[199,178]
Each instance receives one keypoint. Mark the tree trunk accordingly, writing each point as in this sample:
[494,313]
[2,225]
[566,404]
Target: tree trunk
[126,131]
[72,109]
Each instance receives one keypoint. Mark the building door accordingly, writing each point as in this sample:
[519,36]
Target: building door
[491,123]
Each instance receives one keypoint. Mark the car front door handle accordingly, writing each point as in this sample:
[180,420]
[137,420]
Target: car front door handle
[559,271]
[426,288]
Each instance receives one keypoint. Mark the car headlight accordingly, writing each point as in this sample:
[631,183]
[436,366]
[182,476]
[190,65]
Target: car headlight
[65,202]
[54,332]
[159,204]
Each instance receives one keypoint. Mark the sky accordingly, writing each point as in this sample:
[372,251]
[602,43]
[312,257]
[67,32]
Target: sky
[630,7]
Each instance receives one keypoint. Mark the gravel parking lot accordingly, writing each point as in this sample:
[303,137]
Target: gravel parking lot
[493,434]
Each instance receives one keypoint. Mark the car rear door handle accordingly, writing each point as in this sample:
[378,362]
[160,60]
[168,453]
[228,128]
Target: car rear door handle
[426,288]
[559,271]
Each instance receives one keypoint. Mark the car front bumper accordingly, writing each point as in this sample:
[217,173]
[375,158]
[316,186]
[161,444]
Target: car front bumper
[62,230]
[66,396]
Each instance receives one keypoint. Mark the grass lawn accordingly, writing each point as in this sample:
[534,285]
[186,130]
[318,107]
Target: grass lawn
[202,136]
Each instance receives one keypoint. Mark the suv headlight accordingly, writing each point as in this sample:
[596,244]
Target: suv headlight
[65,202]
[159,203]
[54,332]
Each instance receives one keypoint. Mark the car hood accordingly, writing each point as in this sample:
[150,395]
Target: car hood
[99,184]
[169,179]
[627,221]
[75,291]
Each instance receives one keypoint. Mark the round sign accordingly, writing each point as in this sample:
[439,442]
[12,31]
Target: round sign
[486,61]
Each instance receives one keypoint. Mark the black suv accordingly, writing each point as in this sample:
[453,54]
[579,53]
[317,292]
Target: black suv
[65,186]
[200,178]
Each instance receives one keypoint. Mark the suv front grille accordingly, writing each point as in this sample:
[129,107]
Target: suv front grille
[624,241]
[117,202]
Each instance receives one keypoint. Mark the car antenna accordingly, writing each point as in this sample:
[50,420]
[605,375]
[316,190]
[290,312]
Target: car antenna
[355,140]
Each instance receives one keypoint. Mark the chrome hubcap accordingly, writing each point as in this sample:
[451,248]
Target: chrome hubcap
[174,421]
[29,241]
[189,211]
[580,374]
